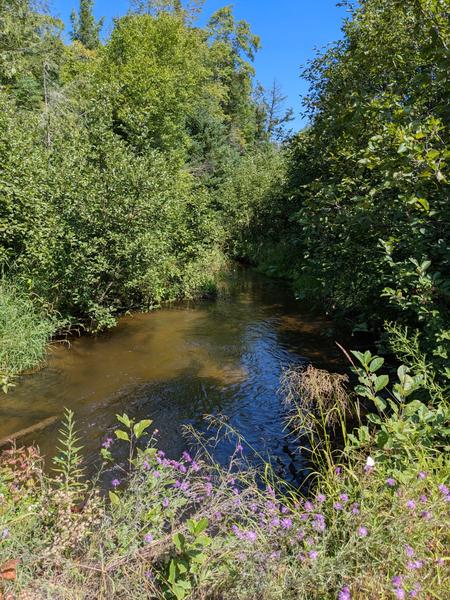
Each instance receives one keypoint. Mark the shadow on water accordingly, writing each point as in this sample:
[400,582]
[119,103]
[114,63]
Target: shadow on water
[176,365]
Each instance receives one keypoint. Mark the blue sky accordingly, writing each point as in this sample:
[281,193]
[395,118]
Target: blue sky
[290,31]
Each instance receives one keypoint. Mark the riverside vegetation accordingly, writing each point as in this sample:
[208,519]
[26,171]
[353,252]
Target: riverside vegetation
[130,171]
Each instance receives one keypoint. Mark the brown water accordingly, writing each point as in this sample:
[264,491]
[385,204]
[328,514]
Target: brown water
[178,364]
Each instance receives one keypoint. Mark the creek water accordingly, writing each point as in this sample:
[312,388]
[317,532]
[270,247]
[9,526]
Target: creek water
[176,365]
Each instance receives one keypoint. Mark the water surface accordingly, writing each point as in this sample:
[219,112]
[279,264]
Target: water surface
[178,364]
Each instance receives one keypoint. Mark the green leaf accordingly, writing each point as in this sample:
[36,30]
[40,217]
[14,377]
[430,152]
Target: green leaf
[124,419]
[114,498]
[376,363]
[380,403]
[122,435]
[381,382]
[201,526]
[140,427]
[179,540]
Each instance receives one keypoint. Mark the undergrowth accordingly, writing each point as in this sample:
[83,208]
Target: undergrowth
[373,526]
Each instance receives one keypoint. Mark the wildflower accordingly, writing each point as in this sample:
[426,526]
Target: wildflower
[390,481]
[195,467]
[235,491]
[443,489]
[423,499]
[185,486]
[355,508]
[337,506]
[397,581]
[415,591]
[218,516]
[5,534]
[440,561]
[338,470]
[275,522]
[284,510]
[187,457]
[239,448]
[411,504]
[253,507]
[149,575]
[321,499]
[309,506]
[370,464]
[414,565]
[362,532]
[156,474]
[251,536]
[400,593]
[107,443]
[161,453]
[165,503]
[208,488]
[422,475]
[344,498]
[344,594]
[319,524]
[182,469]
[313,554]
[146,465]
[409,551]
[148,538]
[426,515]
[286,523]
[115,483]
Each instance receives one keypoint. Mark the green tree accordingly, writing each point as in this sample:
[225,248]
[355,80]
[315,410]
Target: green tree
[85,29]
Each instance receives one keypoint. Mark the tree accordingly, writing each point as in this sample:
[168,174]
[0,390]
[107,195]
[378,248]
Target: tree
[85,29]
[272,115]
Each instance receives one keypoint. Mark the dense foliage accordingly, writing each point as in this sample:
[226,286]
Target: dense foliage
[363,223]
[114,157]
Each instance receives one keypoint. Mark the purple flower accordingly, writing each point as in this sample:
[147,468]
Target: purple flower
[426,515]
[107,443]
[251,536]
[115,483]
[239,448]
[415,591]
[195,467]
[423,498]
[156,474]
[275,522]
[187,457]
[362,532]
[208,488]
[146,465]
[400,593]
[397,581]
[185,486]
[411,504]
[338,470]
[309,506]
[355,508]
[165,503]
[286,523]
[344,498]
[5,534]
[443,489]
[414,565]
[337,506]
[149,575]
[321,499]
[409,551]
[148,538]
[182,469]
[344,594]
[422,475]
[390,482]
[313,554]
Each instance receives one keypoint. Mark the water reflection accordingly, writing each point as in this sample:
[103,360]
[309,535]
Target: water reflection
[176,365]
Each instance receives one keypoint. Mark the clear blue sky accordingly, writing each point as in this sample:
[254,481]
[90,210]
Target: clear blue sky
[290,31]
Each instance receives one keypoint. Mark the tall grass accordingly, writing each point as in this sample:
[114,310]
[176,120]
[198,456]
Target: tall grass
[24,330]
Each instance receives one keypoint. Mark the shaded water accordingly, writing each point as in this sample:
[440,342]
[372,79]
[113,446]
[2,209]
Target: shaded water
[177,364]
